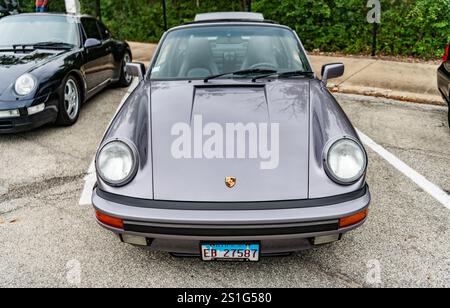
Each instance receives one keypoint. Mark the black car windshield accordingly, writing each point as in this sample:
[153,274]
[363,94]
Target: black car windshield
[201,52]
[29,30]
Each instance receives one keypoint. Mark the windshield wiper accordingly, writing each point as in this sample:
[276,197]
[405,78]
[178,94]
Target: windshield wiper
[285,74]
[44,45]
[53,45]
[6,48]
[243,72]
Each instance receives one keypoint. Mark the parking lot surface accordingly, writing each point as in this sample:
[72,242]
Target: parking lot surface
[48,239]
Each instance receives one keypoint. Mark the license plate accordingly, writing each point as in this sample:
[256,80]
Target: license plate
[236,252]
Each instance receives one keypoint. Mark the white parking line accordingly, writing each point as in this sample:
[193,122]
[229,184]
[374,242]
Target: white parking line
[89,182]
[91,176]
[417,178]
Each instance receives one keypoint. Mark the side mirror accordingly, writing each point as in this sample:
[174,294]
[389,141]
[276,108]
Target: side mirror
[332,70]
[136,69]
[92,43]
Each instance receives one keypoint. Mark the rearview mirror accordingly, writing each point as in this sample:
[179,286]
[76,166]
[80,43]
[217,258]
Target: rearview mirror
[136,69]
[92,43]
[332,70]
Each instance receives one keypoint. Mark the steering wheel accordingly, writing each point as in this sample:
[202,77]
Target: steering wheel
[264,65]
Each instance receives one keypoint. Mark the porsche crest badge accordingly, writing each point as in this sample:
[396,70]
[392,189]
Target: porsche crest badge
[230,181]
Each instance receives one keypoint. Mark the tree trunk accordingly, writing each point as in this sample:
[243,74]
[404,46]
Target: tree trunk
[164,7]
[246,5]
[98,9]
[243,5]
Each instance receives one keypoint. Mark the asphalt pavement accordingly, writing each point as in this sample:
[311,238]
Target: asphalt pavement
[47,239]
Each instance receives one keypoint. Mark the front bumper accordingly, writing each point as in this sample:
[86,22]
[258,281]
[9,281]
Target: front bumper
[278,230]
[26,122]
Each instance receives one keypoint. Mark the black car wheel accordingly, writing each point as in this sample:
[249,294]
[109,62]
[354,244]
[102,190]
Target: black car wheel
[70,103]
[125,79]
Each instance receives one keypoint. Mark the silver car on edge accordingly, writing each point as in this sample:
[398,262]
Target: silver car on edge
[230,147]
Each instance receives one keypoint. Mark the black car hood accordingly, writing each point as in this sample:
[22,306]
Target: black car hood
[15,64]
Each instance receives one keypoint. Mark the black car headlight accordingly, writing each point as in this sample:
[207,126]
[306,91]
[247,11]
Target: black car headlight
[345,161]
[117,162]
[25,84]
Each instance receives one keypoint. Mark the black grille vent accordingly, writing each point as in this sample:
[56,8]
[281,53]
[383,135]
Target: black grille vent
[6,124]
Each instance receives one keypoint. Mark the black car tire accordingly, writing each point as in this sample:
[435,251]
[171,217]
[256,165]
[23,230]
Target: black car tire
[70,102]
[125,80]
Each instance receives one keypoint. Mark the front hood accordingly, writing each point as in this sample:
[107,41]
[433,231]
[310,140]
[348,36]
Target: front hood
[272,166]
[14,64]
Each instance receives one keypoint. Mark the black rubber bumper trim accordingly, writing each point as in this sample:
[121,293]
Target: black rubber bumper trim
[236,231]
[27,123]
[264,205]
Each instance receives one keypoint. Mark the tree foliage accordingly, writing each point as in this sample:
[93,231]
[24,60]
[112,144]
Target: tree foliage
[409,27]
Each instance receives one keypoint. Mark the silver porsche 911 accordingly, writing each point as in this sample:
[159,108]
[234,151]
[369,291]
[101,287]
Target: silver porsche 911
[230,147]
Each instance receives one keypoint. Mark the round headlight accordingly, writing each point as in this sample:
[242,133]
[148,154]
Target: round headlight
[25,84]
[346,161]
[116,163]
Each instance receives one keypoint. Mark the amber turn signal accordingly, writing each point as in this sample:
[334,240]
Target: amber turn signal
[109,220]
[353,219]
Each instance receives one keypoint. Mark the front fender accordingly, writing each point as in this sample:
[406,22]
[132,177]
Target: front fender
[133,123]
[50,77]
[52,74]
[328,124]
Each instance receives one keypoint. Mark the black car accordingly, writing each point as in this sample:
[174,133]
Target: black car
[51,63]
[9,7]
[444,78]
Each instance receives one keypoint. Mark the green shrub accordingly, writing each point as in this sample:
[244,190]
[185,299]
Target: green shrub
[419,28]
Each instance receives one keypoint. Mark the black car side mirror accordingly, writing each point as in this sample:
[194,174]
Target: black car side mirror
[92,43]
[332,70]
[136,69]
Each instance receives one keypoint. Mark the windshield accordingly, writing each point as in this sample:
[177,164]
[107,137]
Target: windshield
[28,30]
[200,52]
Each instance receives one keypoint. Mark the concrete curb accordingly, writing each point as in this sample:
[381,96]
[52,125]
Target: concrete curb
[390,94]
[412,82]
